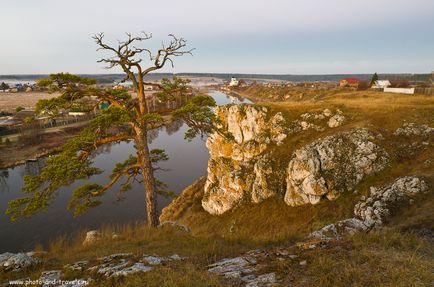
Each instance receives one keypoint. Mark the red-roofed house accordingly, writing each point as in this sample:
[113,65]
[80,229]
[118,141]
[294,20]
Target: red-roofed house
[349,82]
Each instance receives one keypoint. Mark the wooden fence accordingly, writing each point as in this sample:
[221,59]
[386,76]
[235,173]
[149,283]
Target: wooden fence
[424,91]
[44,124]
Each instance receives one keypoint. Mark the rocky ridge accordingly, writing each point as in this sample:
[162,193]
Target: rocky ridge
[371,211]
[244,169]
[114,265]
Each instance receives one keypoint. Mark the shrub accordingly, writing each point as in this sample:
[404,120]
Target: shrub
[400,84]
[362,86]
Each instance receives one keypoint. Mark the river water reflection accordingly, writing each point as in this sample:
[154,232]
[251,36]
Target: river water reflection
[187,161]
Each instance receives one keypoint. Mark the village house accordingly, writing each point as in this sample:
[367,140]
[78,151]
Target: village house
[148,87]
[234,82]
[381,84]
[349,82]
[118,87]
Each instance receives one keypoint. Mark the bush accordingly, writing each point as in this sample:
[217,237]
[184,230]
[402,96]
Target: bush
[400,84]
[19,109]
[4,114]
[363,86]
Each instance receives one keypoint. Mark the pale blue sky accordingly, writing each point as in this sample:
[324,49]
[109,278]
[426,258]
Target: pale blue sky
[273,36]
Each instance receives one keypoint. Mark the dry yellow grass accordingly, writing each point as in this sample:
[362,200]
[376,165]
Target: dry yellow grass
[385,258]
[10,101]
[400,255]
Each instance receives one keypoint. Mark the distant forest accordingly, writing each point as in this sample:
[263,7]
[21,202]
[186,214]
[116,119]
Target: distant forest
[110,78]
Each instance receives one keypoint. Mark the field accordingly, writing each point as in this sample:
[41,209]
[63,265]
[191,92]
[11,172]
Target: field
[10,101]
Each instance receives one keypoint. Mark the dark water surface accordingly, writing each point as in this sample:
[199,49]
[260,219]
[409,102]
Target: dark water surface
[188,161]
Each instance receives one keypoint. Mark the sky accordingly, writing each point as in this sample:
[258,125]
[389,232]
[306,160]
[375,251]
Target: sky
[229,36]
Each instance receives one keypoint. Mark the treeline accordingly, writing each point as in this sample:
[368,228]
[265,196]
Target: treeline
[110,78]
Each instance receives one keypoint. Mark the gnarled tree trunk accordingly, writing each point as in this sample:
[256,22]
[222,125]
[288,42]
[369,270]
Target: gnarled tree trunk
[148,175]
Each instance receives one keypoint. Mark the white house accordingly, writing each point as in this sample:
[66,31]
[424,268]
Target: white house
[381,84]
[233,82]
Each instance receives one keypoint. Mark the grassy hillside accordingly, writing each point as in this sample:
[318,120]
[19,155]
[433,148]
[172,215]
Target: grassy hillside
[400,254]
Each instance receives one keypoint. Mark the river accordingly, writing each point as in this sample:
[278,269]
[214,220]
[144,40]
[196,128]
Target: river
[187,161]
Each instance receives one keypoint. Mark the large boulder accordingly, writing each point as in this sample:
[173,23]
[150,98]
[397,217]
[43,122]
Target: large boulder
[332,165]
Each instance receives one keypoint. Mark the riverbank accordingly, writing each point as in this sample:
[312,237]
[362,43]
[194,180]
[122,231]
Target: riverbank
[16,153]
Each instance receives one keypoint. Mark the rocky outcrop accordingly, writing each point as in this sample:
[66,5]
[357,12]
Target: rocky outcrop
[344,227]
[246,268]
[318,121]
[336,121]
[412,129]
[92,236]
[111,266]
[123,264]
[244,169]
[239,169]
[377,206]
[332,165]
[371,211]
[17,261]
[182,203]
[50,278]
[174,225]
[77,266]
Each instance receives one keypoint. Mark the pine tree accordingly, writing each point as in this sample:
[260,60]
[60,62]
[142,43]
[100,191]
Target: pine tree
[374,79]
[127,118]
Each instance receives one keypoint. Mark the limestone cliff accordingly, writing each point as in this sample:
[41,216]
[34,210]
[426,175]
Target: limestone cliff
[240,169]
[246,169]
